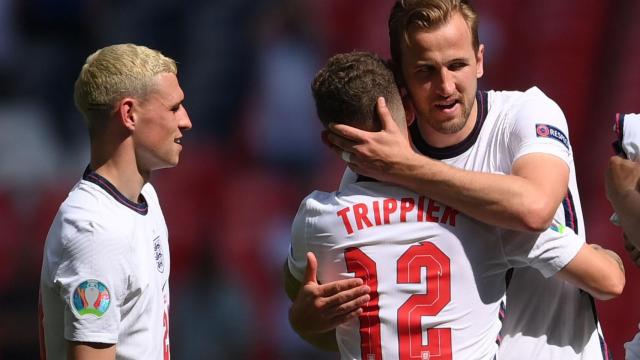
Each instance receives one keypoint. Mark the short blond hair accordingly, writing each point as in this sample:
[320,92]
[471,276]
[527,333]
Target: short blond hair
[115,72]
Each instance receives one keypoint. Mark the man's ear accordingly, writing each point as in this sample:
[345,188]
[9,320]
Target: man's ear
[126,113]
[480,62]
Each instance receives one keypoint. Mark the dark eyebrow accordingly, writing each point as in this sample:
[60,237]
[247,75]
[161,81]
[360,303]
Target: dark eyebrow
[424,65]
[462,59]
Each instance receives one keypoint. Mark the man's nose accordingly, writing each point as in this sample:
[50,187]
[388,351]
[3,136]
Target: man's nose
[446,83]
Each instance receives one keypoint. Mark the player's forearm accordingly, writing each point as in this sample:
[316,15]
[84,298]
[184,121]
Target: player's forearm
[503,200]
[611,281]
[597,271]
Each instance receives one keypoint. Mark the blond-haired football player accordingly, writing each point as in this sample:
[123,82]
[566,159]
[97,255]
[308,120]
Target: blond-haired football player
[104,291]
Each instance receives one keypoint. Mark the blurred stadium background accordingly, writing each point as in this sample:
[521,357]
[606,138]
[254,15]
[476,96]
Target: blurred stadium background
[255,150]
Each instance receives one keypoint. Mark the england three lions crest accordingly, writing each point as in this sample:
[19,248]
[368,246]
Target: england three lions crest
[157,254]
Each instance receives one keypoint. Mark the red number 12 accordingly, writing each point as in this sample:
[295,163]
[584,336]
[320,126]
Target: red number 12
[436,297]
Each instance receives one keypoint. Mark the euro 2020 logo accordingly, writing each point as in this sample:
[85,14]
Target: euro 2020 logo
[91,297]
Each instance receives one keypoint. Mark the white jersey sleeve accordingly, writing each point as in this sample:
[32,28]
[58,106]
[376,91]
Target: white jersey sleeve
[548,252]
[85,275]
[298,249]
[92,281]
[539,126]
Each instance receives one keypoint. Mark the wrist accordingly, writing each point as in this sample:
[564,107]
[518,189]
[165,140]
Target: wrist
[294,321]
[410,168]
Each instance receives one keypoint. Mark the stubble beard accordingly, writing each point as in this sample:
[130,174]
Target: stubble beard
[454,125]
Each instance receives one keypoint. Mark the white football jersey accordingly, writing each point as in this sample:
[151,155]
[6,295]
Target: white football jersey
[436,276]
[545,318]
[105,273]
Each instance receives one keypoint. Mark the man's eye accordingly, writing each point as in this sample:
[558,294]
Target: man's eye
[457,66]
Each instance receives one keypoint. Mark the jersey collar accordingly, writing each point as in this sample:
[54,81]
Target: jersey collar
[362,178]
[459,148]
[141,208]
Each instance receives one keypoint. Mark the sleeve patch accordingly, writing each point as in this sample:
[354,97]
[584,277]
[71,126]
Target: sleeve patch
[548,131]
[90,299]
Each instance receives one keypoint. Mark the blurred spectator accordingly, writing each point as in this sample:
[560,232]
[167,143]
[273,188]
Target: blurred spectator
[37,163]
[281,131]
[8,36]
[220,55]
[58,32]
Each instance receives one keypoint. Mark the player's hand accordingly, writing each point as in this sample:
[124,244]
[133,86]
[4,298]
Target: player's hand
[622,176]
[375,154]
[320,308]
[632,250]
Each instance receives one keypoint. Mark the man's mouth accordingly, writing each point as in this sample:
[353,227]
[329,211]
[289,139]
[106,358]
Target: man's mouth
[446,105]
[178,141]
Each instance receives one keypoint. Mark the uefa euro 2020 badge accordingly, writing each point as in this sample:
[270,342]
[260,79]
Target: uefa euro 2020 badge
[91,297]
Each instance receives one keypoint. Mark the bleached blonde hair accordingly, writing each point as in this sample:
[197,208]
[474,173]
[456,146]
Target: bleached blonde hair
[115,72]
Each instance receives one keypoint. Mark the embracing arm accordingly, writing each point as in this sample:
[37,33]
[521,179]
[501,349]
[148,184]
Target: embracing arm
[525,200]
[318,309]
[597,271]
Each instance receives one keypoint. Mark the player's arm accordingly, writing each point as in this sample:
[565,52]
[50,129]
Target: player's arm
[596,270]
[90,351]
[318,309]
[622,183]
[524,200]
